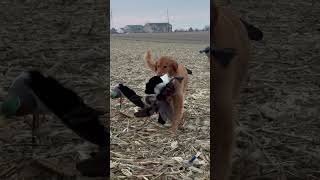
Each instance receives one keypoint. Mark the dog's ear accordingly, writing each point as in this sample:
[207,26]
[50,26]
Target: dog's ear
[174,66]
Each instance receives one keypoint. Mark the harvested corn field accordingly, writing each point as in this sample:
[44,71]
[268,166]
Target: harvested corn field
[67,40]
[279,111]
[141,148]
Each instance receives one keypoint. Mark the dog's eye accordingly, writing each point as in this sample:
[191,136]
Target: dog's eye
[164,66]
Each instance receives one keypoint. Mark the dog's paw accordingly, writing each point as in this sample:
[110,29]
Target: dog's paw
[173,132]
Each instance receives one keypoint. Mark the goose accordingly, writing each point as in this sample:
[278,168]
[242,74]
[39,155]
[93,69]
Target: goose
[158,88]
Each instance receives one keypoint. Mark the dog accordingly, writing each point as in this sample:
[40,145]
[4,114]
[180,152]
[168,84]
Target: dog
[229,31]
[166,65]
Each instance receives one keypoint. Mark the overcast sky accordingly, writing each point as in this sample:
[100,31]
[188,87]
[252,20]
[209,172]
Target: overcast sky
[182,13]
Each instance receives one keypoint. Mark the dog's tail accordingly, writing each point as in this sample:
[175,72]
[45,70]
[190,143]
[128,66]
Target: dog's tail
[148,59]
[254,33]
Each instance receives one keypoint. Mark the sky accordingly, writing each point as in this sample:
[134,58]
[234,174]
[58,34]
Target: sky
[182,13]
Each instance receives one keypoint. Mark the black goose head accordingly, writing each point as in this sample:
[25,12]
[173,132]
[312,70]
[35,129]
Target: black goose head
[152,83]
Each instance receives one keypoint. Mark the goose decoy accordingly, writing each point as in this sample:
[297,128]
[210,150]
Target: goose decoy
[131,95]
[116,93]
[222,55]
[33,92]
[70,108]
[121,90]
[22,101]
[76,115]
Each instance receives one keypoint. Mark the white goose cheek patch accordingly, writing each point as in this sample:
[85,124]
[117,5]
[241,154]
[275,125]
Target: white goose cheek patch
[165,80]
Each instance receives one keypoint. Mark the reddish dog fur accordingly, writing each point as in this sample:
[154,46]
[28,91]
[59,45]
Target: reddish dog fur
[167,65]
[229,32]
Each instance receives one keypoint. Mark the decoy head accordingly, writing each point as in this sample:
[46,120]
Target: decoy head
[206,51]
[115,92]
[9,108]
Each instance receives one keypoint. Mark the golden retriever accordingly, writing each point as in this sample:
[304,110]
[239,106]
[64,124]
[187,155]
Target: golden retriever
[229,31]
[166,65]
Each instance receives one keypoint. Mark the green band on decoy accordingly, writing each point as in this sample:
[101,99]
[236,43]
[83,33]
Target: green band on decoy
[113,94]
[10,106]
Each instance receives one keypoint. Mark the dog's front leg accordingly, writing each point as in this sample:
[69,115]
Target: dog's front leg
[178,112]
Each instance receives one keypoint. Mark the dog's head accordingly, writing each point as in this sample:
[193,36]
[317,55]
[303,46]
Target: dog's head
[166,65]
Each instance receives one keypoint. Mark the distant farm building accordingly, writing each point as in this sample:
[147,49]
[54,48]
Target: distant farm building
[113,31]
[157,27]
[132,29]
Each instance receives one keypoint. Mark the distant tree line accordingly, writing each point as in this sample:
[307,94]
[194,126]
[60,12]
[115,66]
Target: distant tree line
[205,29]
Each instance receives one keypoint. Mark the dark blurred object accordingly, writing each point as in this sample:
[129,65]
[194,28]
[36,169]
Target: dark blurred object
[222,55]
[69,107]
[253,32]
[96,166]
[189,71]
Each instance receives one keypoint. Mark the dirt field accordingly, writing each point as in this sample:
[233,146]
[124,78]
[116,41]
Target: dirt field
[175,37]
[280,110]
[140,147]
[68,40]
